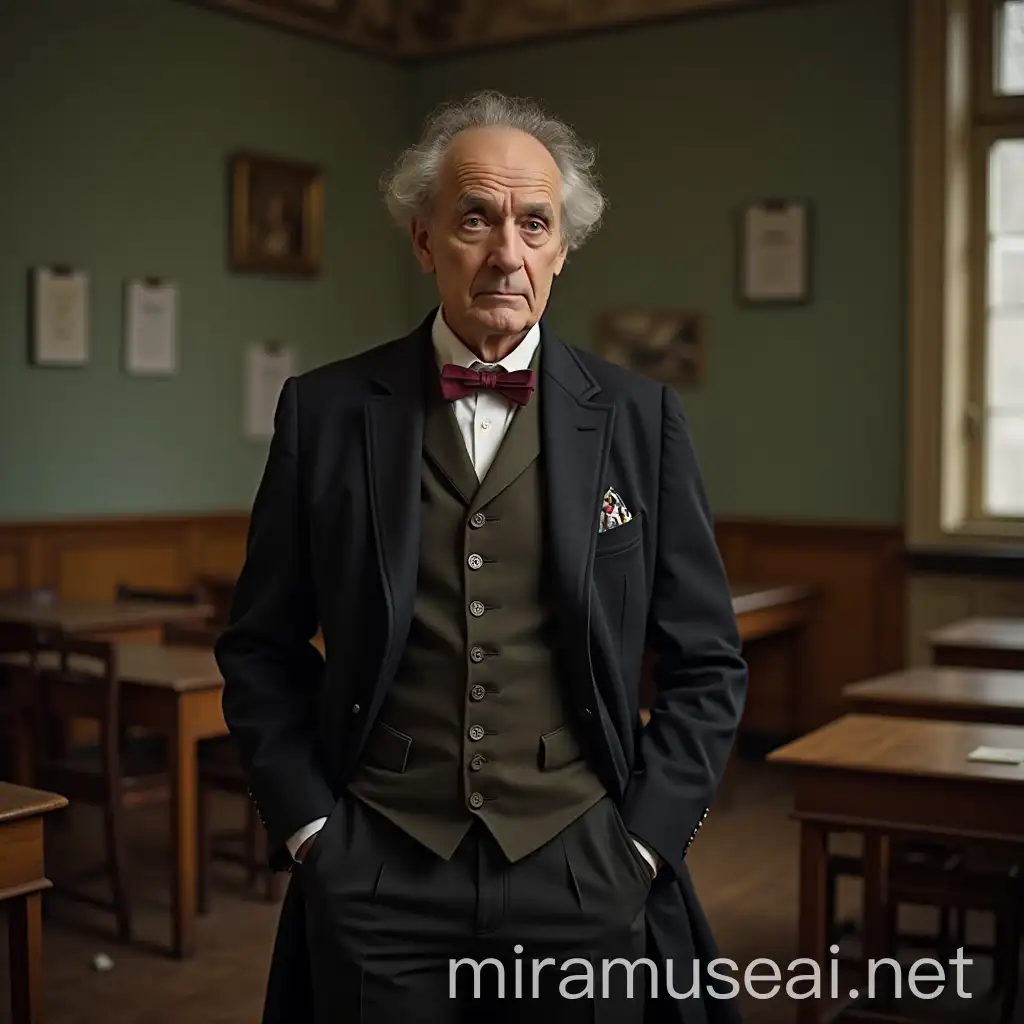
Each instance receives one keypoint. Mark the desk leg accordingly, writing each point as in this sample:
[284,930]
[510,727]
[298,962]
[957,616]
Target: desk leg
[813,926]
[876,910]
[799,679]
[26,954]
[184,811]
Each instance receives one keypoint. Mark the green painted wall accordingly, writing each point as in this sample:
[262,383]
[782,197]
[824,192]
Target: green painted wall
[117,119]
[802,415]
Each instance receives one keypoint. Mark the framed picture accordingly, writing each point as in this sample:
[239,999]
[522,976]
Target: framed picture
[277,210]
[664,344]
[774,252]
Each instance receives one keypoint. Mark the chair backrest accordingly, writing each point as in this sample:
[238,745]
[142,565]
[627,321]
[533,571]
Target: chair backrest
[193,634]
[78,678]
[39,596]
[186,597]
[25,638]
[219,593]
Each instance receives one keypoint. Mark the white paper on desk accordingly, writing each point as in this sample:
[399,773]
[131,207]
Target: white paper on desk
[266,370]
[996,755]
[151,328]
[60,318]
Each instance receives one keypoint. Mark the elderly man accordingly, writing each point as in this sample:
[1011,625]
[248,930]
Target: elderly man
[489,527]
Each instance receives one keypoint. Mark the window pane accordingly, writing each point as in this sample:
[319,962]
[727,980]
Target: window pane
[1004,469]
[1010,48]
[1006,272]
[1006,186]
[1005,370]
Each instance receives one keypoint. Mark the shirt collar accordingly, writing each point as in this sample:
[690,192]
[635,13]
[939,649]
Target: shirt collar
[450,349]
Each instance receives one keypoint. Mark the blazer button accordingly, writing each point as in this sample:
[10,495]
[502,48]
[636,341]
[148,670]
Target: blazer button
[356,709]
[477,520]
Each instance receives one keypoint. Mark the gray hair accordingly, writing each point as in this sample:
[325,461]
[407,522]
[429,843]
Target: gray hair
[410,187]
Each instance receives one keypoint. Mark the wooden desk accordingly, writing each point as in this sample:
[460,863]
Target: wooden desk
[22,881]
[175,691]
[111,620]
[887,777]
[980,643]
[945,694]
[770,609]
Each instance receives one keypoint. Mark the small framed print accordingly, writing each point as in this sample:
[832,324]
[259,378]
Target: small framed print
[774,252]
[277,211]
[667,345]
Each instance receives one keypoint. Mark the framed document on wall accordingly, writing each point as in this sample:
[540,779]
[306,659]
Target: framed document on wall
[59,317]
[774,252]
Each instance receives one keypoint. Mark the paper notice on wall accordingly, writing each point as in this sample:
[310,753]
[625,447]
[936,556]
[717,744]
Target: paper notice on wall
[151,329]
[61,317]
[267,368]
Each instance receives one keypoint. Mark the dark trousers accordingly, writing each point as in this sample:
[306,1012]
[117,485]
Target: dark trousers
[561,930]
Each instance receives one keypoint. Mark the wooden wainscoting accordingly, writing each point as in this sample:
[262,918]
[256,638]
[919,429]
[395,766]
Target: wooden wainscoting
[85,560]
[858,630]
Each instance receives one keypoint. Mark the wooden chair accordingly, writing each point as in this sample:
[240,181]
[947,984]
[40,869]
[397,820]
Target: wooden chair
[78,678]
[955,882]
[218,592]
[220,770]
[15,638]
[185,597]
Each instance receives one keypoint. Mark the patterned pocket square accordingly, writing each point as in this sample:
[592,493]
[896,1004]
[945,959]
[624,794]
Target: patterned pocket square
[613,512]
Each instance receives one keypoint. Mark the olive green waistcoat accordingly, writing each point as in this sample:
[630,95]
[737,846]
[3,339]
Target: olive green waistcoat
[475,724]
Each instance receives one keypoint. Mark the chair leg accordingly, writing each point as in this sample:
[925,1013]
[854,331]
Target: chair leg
[1003,936]
[205,851]
[1011,951]
[949,923]
[831,891]
[113,814]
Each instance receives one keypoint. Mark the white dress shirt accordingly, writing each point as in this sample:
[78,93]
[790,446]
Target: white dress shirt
[483,418]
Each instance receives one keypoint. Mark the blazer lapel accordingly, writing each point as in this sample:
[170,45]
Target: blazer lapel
[576,431]
[394,417]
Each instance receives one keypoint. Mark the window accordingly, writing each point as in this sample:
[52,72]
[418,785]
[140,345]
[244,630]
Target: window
[994,475]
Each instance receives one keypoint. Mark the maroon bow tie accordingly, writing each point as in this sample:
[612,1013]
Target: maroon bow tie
[460,381]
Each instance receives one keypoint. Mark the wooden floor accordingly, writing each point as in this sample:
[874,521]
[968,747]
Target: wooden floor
[744,864]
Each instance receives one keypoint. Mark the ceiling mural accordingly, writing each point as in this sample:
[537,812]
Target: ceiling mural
[425,28]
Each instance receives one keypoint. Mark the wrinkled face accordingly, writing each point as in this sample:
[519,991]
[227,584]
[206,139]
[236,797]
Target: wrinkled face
[494,240]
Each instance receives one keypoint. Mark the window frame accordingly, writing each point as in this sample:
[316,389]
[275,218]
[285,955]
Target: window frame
[955,115]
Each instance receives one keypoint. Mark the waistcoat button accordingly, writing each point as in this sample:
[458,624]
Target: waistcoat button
[477,762]
[356,709]
[476,800]
[477,654]
[478,519]
[475,561]
[476,732]
[478,692]
[477,608]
